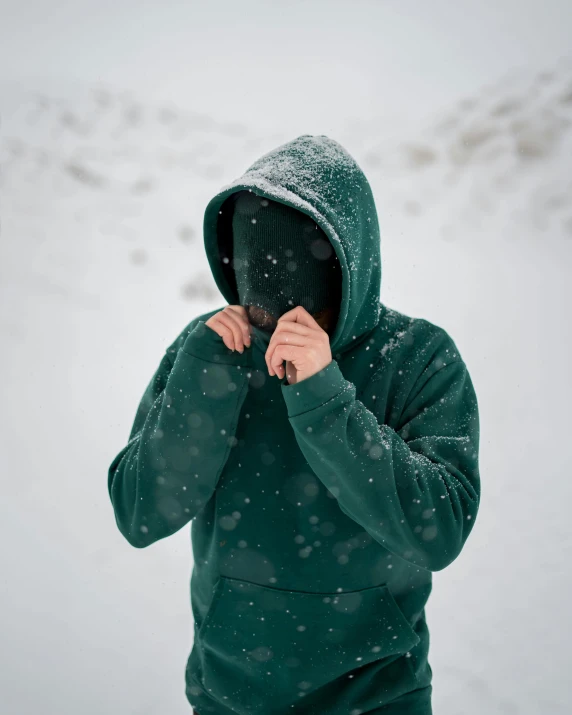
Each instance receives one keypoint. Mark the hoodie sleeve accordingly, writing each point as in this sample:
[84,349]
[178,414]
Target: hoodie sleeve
[416,490]
[180,438]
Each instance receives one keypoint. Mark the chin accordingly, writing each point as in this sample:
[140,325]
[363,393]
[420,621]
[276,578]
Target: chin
[261,318]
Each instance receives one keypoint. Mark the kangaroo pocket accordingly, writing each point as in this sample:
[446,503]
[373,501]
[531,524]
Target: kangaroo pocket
[266,647]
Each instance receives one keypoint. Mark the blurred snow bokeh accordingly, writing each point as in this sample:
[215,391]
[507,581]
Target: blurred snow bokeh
[103,194]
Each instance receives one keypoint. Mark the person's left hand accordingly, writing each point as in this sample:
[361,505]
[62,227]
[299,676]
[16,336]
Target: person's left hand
[301,342]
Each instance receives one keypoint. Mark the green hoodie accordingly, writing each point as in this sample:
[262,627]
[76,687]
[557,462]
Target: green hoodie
[318,510]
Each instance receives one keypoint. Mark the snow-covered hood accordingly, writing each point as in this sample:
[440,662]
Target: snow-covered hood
[315,175]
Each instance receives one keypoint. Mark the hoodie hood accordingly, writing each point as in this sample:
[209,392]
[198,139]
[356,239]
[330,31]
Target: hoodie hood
[317,176]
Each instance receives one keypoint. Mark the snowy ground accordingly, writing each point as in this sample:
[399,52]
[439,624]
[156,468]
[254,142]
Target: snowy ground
[103,194]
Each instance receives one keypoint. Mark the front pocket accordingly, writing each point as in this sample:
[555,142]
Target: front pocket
[266,646]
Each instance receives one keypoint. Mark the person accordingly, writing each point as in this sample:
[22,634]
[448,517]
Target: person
[323,445]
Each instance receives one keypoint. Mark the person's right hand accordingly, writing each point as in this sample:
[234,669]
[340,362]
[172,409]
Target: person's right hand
[232,324]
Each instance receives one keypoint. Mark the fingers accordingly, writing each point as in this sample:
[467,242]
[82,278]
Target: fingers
[285,337]
[232,325]
[245,326]
[243,322]
[300,315]
[296,333]
[282,353]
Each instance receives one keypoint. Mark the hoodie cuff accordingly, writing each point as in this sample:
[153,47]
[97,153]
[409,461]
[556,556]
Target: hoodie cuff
[204,343]
[314,390]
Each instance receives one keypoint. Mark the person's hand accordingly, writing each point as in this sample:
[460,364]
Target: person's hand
[232,324]
[301,342]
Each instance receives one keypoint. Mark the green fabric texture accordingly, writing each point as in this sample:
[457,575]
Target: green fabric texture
[319,510]
[282,258]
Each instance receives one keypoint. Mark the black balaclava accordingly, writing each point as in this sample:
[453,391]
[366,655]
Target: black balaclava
[281,259]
